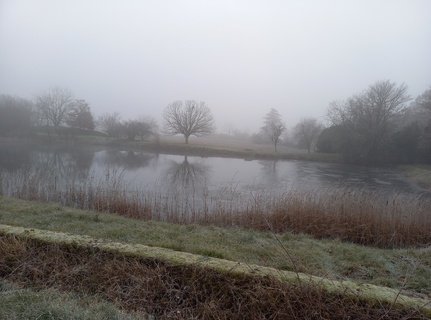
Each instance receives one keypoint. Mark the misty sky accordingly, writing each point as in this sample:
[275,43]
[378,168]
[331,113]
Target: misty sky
[240,57]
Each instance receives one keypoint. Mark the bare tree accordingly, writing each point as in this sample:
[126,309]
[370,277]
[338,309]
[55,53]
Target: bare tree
[53,106]
[424,100]
[133,128]
[110,123]
[422,105]
[80,116]
[307,131]
[366,118]
[273,127]
[188,118]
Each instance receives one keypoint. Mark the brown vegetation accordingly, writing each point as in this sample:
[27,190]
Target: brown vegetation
[176,292]
[360,216]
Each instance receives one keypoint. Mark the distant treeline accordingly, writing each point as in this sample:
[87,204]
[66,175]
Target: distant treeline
[377,127]
[380,125]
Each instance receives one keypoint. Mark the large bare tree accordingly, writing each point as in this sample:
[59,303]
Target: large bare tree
[366,118]
[307,131]
[54,105]
[273,127]
[189,118]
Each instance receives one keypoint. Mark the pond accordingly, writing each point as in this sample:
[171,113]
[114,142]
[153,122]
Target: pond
[174,173]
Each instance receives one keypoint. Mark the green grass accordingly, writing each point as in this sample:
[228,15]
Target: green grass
[327,258]
[17,303]
[419,174]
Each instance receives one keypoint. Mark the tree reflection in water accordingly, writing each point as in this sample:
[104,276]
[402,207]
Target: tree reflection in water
[186,176]
[65,164]
[127,159]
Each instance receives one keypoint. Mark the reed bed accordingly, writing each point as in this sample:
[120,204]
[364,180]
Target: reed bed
[164,291]
[360,216]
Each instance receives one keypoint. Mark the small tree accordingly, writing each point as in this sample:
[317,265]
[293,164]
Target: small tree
[80,116]
[273,127]
[189,118]
[307,132]
[424,100]
[15,115]
[133,128]
[54,105]
[110,123]
[423,103]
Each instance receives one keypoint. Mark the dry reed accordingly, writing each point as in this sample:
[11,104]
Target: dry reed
[359,216]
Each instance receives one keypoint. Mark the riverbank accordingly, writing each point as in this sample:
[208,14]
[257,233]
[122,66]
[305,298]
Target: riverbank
[419,174]
[404,270]
[217,146]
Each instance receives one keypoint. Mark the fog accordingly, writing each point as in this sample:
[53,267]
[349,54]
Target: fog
[240,57]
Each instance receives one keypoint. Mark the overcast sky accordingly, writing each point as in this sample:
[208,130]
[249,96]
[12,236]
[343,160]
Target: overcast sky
[240,57]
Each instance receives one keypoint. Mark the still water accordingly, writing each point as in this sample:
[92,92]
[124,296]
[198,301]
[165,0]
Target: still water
[170,173]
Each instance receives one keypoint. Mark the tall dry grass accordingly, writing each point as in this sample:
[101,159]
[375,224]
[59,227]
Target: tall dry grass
[360,216]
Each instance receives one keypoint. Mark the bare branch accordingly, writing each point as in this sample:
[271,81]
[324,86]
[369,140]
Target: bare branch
[367,118]
[307,131]
[54,105]
[188,118]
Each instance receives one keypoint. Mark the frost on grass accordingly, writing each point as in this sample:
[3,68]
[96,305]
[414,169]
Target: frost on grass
[374,294]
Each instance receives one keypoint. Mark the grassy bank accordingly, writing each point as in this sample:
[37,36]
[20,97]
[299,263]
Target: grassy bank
[418,174]
[202,147]
[167,284]
[397,268]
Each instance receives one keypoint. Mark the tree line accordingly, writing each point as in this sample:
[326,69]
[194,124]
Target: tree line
[378,126]
[381,124]
[57,110]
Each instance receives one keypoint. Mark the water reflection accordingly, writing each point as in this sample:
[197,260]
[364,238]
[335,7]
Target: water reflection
[64,163]
[14,157]
[198,175]
[129,160]
[270,172]
[61,162]
[186,175]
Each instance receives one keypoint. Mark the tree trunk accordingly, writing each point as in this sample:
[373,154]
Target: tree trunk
[187,139]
